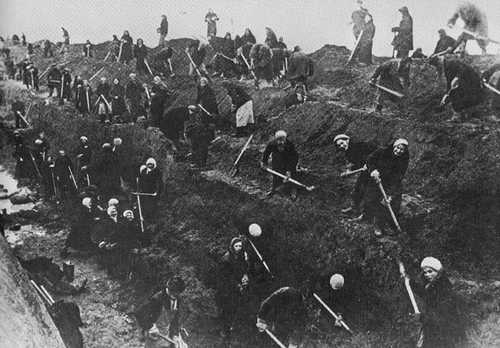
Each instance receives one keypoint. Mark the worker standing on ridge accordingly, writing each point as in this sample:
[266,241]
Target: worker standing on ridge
[88,49]
[211,20]
[140,54]
[403,40]
[163,30]
[284,160]
[150,181]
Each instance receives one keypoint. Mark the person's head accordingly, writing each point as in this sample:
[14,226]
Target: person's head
[115,37]
[112,211]
[203,81]
[337,281]
[87,202]
[342,141]
[38,142]
[255,230]
[86,83]
[140,42]
[236,245]
[400,147]
[280,39]
[116,81]
[62,153]
[175,286]
[280,137]
[157,80]
[88,41]
[442,33]
[117,141]
[297,49]
[84,139]
[431,268]
[41,135]
[227,36]
[404,11]
[113,202]
[132,76]
[151,163]
[103,79]
[128,215]
[163,16]
[107,147]
[192,109]
[125,33]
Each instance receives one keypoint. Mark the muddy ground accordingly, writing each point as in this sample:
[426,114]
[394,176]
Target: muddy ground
[450,211]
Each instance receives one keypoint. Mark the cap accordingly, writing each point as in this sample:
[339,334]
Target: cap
[337,281]
[341,137]
[254,230]
[280,134]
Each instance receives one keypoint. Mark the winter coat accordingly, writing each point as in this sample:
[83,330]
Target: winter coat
[172,122]
[442,323]
[357,153]
[300,67]
[283,161]
[103,89]
[206,97]
[150,181]
[149,312]
[164,27]
[133,90]
[61,168]
[470,92]
[231,271]
[392,168]
[238,94]
[444,43]
[404,37]
[248,38]
[86,151]
[117,94]
[54,78]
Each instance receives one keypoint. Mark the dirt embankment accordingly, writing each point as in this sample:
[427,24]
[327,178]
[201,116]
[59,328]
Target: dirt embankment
[451,207]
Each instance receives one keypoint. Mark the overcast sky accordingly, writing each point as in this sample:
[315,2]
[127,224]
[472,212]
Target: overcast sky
[310,24]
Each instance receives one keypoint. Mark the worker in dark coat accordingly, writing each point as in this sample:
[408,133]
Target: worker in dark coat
[356,154]
[199,135]
[358,19]
[83,226]
[102,93]
[492,77]
[393,74]
[271,40]
[107,170]
[54,80]
[163,61]
[133,94]
[242,67]
[31,76]
[285,314]
[442,320]
[150,181]
[88,49]
[403,40]
[65,93]
[83,152]
[19,108]
[232,283]
[366,44]
[224,63]
[463,85]
[211,19]
[261,62]
[242,104]
[163,30]
[117,96]
[159,101]
[161,314]
[47,49]
[140,54]
[127,46]
[281,43]
[300,68]
[298,97]
[65,36]
[445,43]
[475,21]
[284,160]
[279,58]
[64,172]
[387,165]
[84,102]
[206,98]
[248,37]
[172,123]
[21,154]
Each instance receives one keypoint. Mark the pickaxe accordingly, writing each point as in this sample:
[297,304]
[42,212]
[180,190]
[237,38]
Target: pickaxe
[408,287]
[274,338]
[35,165]
[352,172]
[358,40]
[194,65]
[120,52]
[97,73]
[72,178]
[388,204]
[248,66]
[332,313]
[390,91]
[293,181]
[205,110]
[491,88]
[147,66]
[144,194]
[22,118]
[479,37]
[260,258]
[141,218]
[234,168]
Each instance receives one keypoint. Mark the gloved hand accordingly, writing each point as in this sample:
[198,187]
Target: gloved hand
[375,174]
[338,321]
[372,82]
[261,325]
